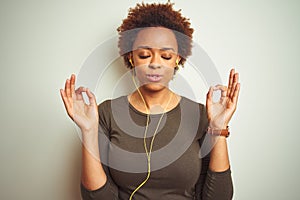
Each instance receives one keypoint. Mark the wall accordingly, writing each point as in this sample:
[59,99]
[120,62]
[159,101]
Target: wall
[43,42]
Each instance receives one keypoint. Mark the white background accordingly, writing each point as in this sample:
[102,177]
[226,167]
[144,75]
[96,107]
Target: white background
[43,42]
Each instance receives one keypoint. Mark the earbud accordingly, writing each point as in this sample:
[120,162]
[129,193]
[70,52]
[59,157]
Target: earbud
[130,60]
[177,63]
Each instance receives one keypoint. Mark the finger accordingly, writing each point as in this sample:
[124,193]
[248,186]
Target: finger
[78,93]
[235,82]
[67,104]
[236,93]
[91,97]
[80,90]
[230,81]
[72,81]
[223,89]
[64,97]
[67,88]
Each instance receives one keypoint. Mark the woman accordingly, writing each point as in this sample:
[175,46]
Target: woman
[154,50]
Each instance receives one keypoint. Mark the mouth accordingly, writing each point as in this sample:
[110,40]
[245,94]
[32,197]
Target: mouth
[154,77]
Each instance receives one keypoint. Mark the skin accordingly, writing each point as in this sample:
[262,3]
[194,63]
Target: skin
[219,114]
[86,117]
[154,51]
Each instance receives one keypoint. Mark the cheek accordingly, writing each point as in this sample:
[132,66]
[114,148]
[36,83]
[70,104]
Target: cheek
[169,72]
[140,73]
[140,69]
[168,69]
[141,62]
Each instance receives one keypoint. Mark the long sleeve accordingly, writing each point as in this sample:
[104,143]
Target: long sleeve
[214,185]
[218,185]
[105,193]
[109,191]
[211,185]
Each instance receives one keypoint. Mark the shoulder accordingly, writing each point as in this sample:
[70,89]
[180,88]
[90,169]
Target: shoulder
[107,104]
[112,106]
[198,110]
[188,102]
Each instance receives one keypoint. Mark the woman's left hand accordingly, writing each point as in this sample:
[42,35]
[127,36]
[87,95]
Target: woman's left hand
[219,113]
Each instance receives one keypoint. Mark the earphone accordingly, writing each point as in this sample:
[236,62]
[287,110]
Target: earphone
[130,60]
[148,153]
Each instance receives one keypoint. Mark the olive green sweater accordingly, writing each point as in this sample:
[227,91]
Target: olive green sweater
[179,158]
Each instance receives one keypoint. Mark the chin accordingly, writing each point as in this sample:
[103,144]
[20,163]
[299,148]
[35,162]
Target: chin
[154,87]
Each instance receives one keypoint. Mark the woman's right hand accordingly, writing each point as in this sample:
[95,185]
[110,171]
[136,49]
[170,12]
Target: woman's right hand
[83,114]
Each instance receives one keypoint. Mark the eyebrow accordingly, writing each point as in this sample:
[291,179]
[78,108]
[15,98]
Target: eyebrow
[161,49]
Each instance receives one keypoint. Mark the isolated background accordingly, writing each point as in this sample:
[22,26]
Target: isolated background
[43,42]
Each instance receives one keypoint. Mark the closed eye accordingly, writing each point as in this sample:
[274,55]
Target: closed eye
[167,57]
[143,57]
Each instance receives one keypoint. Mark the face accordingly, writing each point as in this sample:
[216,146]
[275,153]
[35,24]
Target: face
[154,55]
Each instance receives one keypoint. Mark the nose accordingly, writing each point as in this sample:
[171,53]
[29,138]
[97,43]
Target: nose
[155,64]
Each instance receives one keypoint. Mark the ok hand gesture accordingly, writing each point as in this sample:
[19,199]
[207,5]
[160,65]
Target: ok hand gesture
[83,114]
[219,113]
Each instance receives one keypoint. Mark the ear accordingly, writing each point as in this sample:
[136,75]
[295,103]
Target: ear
[129,57]
[178,59]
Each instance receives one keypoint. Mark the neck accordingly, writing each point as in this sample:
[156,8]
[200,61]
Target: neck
[155,102]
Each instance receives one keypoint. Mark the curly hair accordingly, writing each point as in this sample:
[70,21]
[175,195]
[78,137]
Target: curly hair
[155,15]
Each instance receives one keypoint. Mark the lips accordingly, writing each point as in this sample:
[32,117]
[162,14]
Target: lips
[154,77]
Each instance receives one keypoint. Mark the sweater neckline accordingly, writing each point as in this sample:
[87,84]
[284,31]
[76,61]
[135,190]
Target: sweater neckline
[153,115]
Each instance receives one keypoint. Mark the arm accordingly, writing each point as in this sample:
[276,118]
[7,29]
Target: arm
[95,180]
[109,190]
[92,173]
[215,180]
[219,159]
[213,185]
[93,176]
[219,114]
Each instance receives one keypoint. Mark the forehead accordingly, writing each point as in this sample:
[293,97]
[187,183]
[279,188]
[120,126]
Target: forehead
[156,37]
